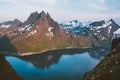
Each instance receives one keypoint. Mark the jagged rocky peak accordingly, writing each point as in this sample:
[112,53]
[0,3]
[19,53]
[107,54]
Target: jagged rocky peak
[113,23]
[17,22]
[112,20]
[36,16]
[43,14]
[48,16]
[14,23]
[32,18]
[98,23]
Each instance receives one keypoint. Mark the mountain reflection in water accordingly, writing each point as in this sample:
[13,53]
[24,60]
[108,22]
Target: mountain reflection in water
[57,65]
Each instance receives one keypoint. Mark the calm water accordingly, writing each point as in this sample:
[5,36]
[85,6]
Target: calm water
[53,66]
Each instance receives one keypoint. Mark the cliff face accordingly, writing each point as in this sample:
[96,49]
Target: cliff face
[41,33]
[109,67]
[6,71]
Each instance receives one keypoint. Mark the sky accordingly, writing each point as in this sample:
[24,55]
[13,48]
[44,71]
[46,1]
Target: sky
[60,10]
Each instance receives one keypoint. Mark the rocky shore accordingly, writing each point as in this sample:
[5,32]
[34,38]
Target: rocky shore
[6,71]
[109,67]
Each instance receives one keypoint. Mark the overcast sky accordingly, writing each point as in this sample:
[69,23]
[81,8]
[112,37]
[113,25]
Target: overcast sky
[60,10]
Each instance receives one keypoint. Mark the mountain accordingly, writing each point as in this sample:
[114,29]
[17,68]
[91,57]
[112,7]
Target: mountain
[14,23]
[10,28]
[6,71]
[76,27]
[109,67]
[41,33]
[101,32]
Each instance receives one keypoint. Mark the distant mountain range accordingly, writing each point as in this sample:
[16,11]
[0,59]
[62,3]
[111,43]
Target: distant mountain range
[41,33]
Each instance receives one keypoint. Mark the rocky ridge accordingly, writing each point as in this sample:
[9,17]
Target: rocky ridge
[6,71]
[101,32]
[41,33]
[109,67]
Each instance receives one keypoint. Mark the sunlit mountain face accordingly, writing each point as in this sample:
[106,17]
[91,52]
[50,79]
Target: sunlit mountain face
[41,33]
[60,39]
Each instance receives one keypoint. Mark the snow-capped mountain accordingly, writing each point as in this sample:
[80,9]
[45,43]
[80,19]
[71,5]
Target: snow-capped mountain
[76,27]
[41,33]
[71,24]
[99,29]
[14,23]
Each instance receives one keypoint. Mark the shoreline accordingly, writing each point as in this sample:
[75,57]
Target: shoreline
[45,51]
[50,50]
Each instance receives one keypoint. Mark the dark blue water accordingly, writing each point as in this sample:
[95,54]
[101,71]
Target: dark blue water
[53,67]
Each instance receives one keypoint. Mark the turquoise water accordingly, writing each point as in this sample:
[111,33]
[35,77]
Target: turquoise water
[53,67]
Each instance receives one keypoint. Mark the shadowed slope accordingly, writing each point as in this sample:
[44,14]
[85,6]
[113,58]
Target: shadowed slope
[6,71]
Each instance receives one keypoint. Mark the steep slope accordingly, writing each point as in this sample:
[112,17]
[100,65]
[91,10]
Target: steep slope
[6,45]
[14,23]
[10,28]
[109,67]
[41,33]
[101,32]
[6,71]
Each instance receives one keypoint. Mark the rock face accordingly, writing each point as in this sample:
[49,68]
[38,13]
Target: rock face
[14,23]
[101,32]
[6,71]
[41,33]
[6,45]
[109,67]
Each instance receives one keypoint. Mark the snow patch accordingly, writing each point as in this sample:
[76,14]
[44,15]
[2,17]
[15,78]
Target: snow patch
[50,32]
[72,24]
[116,34]
[117,31]
[86,24]
[95,33]
[31,33]
[109,29]
[28,27]
[103,38]
[21,29]
[5,26]
[98,31]
[107,24]
[103,26]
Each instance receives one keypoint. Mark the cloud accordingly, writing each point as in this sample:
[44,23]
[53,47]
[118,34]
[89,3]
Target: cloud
[101,1]
[50,2]
[98,7]
[32,2]
[66,9]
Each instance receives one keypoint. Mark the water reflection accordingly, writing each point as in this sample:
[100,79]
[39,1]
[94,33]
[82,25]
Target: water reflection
[52,57]
[56,65]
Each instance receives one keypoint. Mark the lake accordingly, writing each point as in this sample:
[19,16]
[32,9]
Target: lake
[57,65]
